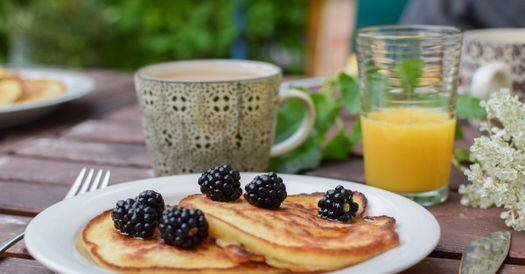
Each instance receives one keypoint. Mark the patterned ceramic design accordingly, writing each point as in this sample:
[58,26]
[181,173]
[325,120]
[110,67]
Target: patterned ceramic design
[498,51]
[192,126]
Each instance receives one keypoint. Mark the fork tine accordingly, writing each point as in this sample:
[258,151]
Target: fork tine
[76,185]
[105,182]
[87,182]
[95,183]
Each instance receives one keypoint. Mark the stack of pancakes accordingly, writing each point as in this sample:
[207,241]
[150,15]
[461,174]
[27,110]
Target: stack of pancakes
[16,89]
[248,239]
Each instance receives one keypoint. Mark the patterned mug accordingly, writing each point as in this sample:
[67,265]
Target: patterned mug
[203,113]
[493,59]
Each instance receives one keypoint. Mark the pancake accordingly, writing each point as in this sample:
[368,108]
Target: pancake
[39,89]
[121,253]
[293,236]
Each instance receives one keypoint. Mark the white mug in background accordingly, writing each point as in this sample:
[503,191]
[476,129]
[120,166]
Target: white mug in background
[492,59]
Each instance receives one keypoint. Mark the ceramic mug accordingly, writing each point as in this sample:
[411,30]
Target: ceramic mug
[493,59]
[193,121]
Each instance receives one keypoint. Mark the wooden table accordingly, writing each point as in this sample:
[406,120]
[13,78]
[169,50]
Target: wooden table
[39,161]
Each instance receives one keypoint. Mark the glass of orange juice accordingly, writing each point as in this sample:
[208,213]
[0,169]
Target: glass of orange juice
[408,79]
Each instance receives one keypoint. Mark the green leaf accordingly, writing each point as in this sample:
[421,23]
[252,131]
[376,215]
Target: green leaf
[327,110]
[409,72]
[468,107]
[307,156]
[356,136]
[462,155]
[289,119]
[328,86]
[376,88]
[338,147]
[458,134]
[349,87]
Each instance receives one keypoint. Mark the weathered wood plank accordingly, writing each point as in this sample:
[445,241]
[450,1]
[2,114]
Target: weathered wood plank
[9,226]
[88,152]
[470,131]
[427,266]
[444,266]
[113,89]
[14,168]
[10,139]
[11,265]
[126,113]
[456,179]
[29,198]
[107,131]
[115,85]
[459,225]
[351,169]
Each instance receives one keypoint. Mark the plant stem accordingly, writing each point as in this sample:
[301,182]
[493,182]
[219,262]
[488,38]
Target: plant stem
[457,164]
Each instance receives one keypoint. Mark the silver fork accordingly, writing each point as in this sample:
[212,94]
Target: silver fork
[81,185]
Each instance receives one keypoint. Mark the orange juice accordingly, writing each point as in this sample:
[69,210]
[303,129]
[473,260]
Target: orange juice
[408,150]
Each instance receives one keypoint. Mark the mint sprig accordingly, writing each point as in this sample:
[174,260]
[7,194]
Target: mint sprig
[322,144]
[307,156]
[409,72]
[327,108]
[349,87]
[468,107]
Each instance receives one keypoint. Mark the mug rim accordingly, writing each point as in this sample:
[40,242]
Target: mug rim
[491,35]
[273,70]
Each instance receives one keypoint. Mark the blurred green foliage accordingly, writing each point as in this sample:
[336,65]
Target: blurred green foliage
[127,34]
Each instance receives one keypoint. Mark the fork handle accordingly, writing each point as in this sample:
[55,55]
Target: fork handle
[10,242]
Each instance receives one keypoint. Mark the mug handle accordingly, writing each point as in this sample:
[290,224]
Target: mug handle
[304,129]
[488,78]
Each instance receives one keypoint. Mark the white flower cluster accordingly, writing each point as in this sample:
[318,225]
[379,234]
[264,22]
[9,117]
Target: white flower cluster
[498,176]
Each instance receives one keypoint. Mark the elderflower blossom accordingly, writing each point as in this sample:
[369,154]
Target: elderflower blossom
[498,176]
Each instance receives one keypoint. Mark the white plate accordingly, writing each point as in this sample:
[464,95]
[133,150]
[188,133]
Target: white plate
[77,85]
[51,236]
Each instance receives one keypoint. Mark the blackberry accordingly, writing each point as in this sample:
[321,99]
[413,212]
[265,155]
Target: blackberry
[266,191]
[135,219]
[183,227]
[153,199]
[221,183]
[337,204]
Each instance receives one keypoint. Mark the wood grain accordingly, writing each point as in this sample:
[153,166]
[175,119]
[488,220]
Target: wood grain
[21,266]
[118,154]
[113,90]
[107,131]
[15,168]
[29,199]
[350,169]
[9,226]
[460,225]
[444,266]
[127,113]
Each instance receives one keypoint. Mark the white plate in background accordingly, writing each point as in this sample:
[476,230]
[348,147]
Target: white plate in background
[77,85]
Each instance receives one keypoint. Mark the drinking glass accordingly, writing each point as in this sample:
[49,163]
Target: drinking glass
[408,80]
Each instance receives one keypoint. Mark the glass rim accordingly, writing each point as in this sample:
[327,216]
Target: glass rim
[399,32]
